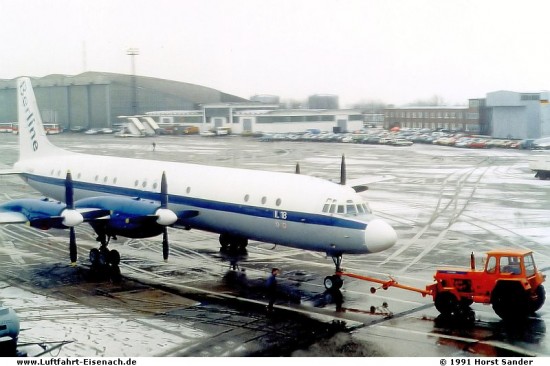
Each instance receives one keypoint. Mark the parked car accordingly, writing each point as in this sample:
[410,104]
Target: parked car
[478,144]
[400,142]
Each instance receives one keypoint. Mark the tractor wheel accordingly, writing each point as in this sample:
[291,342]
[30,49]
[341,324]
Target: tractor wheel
[510,301]
[446,303]
[536,304]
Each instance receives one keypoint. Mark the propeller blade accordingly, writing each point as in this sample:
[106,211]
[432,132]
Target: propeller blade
[165,245]
[69,201]
[69,191]
[343,171]
[164,205]
[297,168]
[163,191]
[72,245]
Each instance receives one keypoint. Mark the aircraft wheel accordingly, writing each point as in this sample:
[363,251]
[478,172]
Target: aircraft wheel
[115,274]
[103,257]
[114,257]
[94,256]
[333,282]
[224,241]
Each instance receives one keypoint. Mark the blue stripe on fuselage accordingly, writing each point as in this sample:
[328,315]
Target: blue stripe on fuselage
[264,212]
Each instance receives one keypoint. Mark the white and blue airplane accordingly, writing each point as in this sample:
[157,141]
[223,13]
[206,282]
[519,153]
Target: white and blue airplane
[130,197]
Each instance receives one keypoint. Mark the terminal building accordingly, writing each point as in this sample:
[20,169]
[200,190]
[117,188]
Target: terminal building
[249,118]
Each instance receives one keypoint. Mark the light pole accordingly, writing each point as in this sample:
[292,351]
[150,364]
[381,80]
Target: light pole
[132,52]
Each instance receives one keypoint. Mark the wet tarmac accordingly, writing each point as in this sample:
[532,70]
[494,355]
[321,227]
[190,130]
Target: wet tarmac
[443,202]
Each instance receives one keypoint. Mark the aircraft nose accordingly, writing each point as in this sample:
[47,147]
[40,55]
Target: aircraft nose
[379,236]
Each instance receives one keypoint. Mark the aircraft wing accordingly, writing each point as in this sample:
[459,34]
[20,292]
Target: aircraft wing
[39,213]
[11,217]
[361,184]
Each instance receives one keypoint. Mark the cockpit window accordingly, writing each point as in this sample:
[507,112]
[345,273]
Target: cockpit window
[351,209]
[367,208]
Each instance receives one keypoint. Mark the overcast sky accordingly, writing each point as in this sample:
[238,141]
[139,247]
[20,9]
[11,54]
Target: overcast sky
[394,51]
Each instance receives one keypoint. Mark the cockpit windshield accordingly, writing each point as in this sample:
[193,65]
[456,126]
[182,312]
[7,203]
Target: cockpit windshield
[348,208]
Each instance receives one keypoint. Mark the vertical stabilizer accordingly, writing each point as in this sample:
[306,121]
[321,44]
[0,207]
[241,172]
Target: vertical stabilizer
[33,142]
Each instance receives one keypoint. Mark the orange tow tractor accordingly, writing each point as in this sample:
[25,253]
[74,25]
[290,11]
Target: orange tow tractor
[510,282]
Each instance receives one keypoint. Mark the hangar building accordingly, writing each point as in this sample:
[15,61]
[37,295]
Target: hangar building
[95,100]
[519,115]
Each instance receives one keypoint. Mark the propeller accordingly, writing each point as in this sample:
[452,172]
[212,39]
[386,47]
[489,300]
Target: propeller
[69,201]
[343,171]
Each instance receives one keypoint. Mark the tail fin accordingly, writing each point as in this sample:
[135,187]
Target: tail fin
[33,142]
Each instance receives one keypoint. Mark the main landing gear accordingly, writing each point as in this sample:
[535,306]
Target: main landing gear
[104,260]
[335,282]
[233,243]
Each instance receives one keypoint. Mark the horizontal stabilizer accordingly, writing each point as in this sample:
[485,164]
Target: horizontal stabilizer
[9,172]
[361,184]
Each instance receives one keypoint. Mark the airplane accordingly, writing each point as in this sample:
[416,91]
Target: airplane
[130,197]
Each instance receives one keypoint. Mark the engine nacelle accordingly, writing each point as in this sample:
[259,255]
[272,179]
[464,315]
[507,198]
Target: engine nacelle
[9,323]
[129,217]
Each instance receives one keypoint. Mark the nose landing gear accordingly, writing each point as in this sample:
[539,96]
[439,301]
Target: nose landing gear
[335,282]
